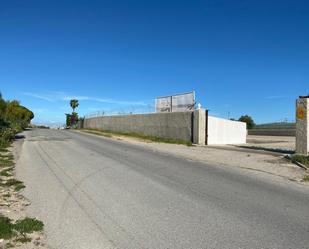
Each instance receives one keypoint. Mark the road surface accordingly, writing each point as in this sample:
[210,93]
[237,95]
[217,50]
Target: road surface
[93,192]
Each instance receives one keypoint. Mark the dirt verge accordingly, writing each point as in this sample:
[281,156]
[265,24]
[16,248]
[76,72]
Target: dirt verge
[16,229]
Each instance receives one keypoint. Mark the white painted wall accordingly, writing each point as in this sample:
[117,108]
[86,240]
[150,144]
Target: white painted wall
[224,131]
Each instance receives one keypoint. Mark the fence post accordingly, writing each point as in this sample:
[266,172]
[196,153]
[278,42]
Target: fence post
[199,122]
[302,129]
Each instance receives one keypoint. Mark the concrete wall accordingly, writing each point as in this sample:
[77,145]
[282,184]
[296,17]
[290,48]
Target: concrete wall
[224,131]
[186,126]
[199,127]
[176,125]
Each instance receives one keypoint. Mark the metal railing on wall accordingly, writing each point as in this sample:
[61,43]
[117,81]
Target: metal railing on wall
[122,111]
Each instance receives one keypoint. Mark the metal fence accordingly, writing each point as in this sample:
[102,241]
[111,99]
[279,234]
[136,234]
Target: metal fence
[143,107]
[123,110]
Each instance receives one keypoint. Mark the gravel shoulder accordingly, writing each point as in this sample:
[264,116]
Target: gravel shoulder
[259,162]
[280,143]
[13,206]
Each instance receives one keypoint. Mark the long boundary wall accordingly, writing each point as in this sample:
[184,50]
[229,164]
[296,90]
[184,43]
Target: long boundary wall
[175,125]
[196,126]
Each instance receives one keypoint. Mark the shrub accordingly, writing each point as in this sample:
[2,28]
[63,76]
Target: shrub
[6,228]
[28,225]
[6,135]
[248,120]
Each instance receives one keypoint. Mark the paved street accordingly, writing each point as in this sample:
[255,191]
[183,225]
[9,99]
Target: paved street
[95,192]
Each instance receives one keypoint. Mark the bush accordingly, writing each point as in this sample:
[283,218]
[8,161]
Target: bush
[28,225]
[13,119]
[6,228]
[248,120]
[302,159]
[6,135]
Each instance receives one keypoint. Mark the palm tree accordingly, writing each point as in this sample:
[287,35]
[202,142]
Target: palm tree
[74,104]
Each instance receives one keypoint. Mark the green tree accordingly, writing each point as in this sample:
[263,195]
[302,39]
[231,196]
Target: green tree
[68,119]
[72,118]
[18,116]
[74,104]
[248,120]
[2,112]
[13,119]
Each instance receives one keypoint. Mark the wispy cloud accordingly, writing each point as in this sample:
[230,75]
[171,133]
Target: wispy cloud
[276,97]
[39,96]
[56,96]
[67,98]
[104,100]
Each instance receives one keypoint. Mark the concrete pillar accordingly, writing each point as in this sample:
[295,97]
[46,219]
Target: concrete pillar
[302,129]
[199,127]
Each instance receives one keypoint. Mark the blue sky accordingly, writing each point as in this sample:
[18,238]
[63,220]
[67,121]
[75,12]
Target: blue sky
[241,57]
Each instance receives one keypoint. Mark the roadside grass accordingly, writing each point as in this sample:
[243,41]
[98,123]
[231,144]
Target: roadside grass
[9,245]
[6,162]
[13,232]
[23,239]
[7,156]
[304,160]
[3,149]
[18,185]
[305,178]
[7,172]
[108,133]
[4,144]
[28,225]
[7,195]
[96,132]
[8,229]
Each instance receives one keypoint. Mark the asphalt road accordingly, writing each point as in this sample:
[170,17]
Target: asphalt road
[93,192]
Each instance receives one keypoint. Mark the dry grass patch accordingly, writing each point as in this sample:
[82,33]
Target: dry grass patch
[108,133]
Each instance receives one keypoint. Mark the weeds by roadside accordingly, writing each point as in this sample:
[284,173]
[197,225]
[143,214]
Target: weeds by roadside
[18,185]
[5,162]
[7,172]
[304,160]
[28,225]
[17,230]
[3,149]
[305,178]
[108,133]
